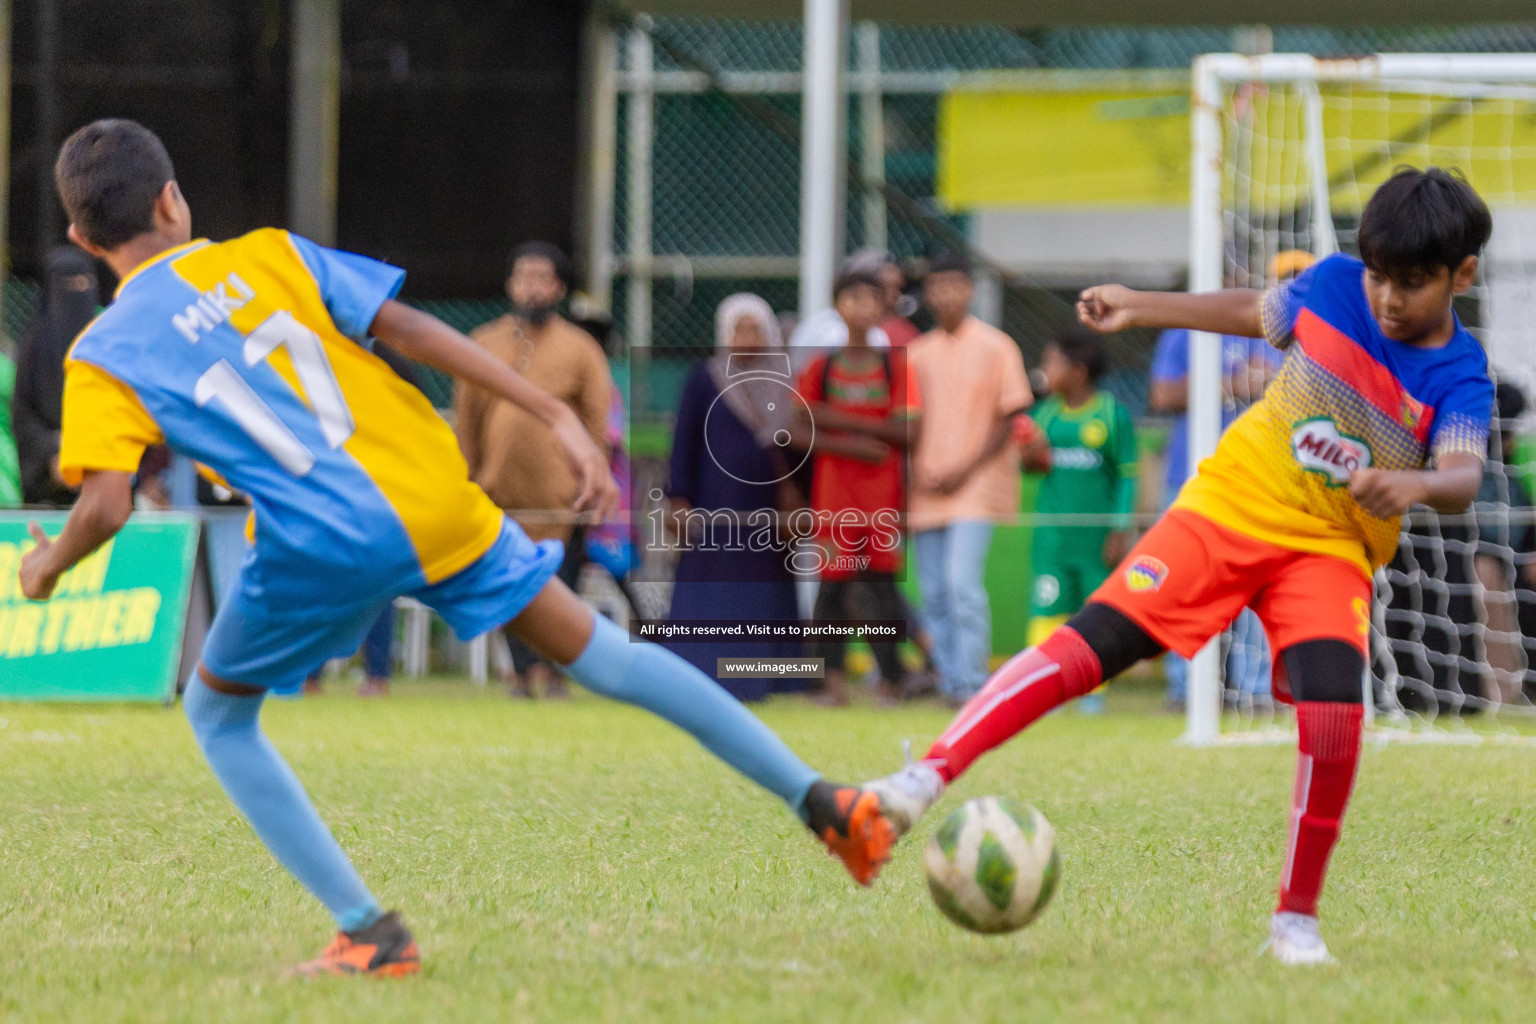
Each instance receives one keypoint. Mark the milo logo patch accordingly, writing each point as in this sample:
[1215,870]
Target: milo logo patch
[1321,448]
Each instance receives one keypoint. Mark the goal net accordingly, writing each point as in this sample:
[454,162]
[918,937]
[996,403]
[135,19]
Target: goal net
[1287,149]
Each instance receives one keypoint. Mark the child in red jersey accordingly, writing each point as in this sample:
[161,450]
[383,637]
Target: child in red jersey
[864,405]
[1384,403]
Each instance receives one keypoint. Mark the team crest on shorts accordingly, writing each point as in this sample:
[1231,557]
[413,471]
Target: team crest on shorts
[1146,573]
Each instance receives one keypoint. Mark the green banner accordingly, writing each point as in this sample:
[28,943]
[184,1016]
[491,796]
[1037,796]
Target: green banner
[113,629]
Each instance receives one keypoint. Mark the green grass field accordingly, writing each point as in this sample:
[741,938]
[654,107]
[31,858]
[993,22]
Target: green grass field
[586,863]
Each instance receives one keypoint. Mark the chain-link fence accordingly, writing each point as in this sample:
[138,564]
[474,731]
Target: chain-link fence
[16,308]
[721,210]
[705,184]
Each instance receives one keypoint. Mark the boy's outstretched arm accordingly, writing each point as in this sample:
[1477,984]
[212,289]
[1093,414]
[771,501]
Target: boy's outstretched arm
[106,501]
[426,339]
[1113,307]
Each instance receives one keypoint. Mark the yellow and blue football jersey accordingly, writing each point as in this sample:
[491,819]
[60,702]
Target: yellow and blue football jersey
[1347,398]
[252,357]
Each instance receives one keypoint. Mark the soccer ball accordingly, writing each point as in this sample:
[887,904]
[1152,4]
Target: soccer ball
[992,865]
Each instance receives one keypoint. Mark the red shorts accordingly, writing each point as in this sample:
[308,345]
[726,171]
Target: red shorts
[1189,577]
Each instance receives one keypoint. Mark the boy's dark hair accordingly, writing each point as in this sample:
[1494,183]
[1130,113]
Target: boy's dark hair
[1421,220]
[1085,349]
[109,174]
[564,270]
[950,261]
[852,277]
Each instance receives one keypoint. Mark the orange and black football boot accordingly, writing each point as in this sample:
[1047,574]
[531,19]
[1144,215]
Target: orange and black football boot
[850,822]
[385,949]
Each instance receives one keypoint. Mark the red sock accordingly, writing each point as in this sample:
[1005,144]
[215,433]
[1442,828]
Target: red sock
[1026,687]
[1328,753]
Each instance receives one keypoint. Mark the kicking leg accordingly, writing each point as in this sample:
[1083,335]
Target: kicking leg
[601,656]
[1185,581]
[1097,643]
[1325,680]
[225,720]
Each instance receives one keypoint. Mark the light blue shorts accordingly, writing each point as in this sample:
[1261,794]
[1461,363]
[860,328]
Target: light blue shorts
[277,650]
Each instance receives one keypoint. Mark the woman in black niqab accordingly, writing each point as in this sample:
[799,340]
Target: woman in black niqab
[68,304]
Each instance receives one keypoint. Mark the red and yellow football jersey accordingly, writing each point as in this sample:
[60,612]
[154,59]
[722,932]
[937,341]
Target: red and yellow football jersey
[1347,398]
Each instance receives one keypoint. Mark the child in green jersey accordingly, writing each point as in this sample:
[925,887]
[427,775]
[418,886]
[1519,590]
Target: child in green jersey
[1085,443]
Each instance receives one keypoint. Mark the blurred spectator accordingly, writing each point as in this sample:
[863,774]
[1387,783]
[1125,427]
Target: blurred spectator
[898,305]
[901,331]
[10,473]
[1085,443]
[965,469]
[1505,557]
[728,461]
[863,412]
[68,304]
[614,545]
[825,330]
[1247,367]
[511,454]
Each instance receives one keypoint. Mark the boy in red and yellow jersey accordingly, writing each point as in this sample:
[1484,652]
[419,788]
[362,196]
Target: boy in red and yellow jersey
[1383,403]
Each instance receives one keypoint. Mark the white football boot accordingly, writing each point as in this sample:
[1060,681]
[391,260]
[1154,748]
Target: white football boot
[907,794]
[1294,941]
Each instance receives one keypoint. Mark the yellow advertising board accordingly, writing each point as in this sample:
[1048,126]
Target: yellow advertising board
[1055,148]
[1129,145]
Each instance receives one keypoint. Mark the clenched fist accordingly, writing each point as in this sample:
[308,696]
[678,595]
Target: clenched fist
[1106,308]
[1387,493]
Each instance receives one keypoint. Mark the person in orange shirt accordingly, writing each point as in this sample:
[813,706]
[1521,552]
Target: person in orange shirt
[965,469]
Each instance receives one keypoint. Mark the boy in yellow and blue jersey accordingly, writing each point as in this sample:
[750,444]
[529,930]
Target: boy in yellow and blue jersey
[1384,402]
[252,356]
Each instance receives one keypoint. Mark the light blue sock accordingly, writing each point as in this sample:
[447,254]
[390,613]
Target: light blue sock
[654,678]
[270,796]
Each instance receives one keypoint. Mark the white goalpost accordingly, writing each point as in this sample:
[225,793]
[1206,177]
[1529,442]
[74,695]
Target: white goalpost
[1286,150]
